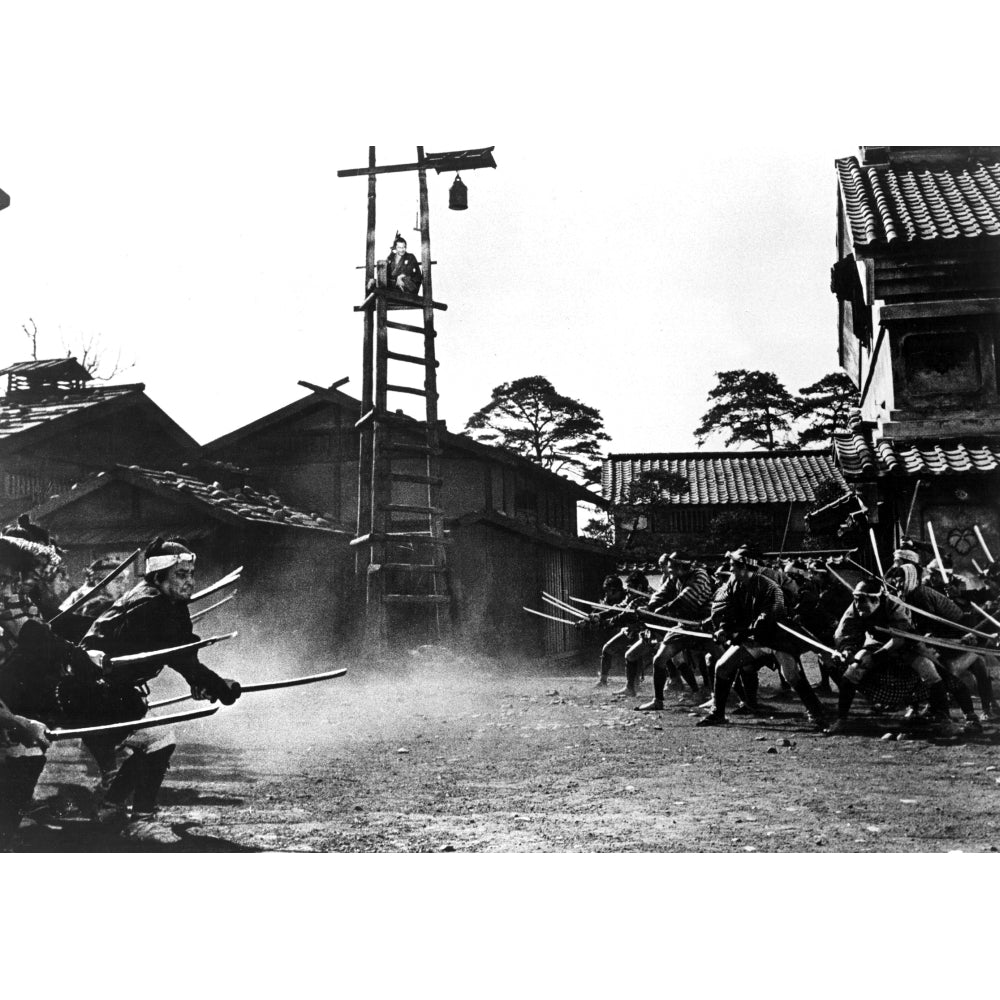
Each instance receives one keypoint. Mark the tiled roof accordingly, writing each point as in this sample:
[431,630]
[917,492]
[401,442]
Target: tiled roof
[890,205]
[233,505]
[726,477]
[859,457]
[19,414]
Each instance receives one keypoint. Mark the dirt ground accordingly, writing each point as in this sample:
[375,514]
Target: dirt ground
[470,756]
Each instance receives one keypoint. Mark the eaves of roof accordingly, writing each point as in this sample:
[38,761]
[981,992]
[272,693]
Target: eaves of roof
[548,536]
[890,206]
[244,508]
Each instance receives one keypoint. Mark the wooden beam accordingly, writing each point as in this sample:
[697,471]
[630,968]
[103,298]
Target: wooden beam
[871,363]
[939,309]
[408,327]
[413,359]
[327,390]
[460,159]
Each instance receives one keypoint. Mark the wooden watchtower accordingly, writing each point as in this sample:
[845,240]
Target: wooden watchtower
[400,542]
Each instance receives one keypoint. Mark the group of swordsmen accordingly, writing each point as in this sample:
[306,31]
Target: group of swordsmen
[77,666]
[914,639]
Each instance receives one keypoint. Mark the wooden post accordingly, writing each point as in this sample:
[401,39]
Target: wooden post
[365,446]
[379,486]
[436,521]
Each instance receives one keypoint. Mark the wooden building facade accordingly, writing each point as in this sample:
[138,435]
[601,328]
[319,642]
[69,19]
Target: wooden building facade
[917,281]
[512,524]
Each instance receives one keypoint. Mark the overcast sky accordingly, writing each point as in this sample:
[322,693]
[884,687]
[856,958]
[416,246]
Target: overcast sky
[663,208]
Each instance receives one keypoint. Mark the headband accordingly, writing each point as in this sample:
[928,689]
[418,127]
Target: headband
[156,563]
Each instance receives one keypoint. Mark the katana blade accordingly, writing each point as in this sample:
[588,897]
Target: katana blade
[807,638]
[839,578]
[937,552]
[575,612]
[551,618]
[117,571]
[228,579]
[54,735]
[878,558]
[982,543]
[169,701]
[863,569]
[160,654]
[931,640]
[329,675]
[642,611]
[937,618]
[595,604]
[684,631]
[264,686]
[985,614]
[552,599]
[212,607]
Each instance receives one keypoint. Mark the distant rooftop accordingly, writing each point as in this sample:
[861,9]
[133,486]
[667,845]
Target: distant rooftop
[726,477]
[49,375]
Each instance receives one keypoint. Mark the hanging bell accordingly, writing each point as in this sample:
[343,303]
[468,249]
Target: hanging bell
[458,196]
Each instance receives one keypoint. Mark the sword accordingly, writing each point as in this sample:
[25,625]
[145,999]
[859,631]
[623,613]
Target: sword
[878,558]
[551,618]
[652,614]
[168,701]
[264,686]
[937,553]
[549,599]
[682,631]
[212,607]
[806,638]
[293,681]
[986,615]
[938,618]
[559,601]
[117,571]
[218,585]
[863,569]
[982,543]
[159,654]
[839,578]
[931,640]
[54,735]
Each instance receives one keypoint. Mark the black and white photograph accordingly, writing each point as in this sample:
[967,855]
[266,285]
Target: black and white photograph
[446,432]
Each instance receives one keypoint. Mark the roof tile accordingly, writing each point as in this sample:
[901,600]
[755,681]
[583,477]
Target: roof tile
[888,204]
[17,414]
[244,503]
[724,477]
[913,459]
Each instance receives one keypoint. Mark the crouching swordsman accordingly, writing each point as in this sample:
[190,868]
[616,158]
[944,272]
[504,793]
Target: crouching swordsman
[863,653]
[746,612]
[152,616]
[34,661]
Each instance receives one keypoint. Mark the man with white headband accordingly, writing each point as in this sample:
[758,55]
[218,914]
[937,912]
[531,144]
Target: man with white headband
[153,615]
[858,646]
